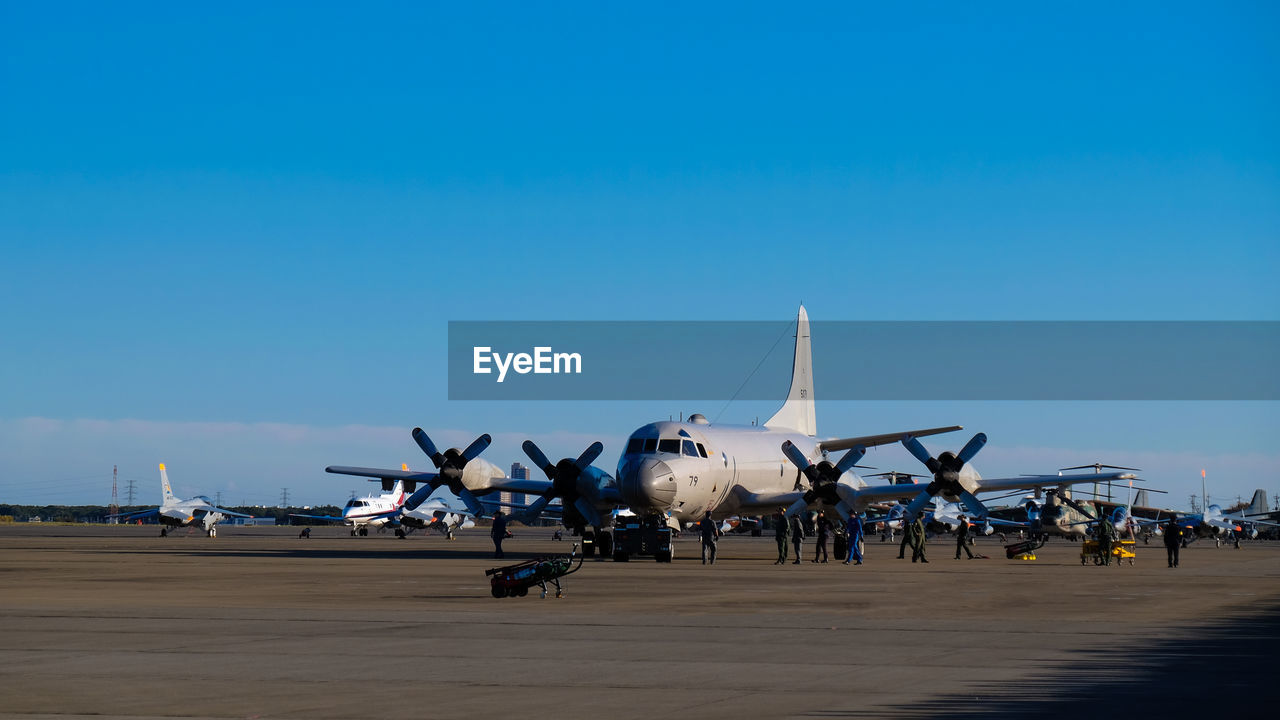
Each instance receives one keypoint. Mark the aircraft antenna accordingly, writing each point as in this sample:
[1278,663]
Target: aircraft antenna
[751,374]
[115,497]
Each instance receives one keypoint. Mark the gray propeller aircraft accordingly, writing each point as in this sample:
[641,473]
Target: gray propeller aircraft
[672,473]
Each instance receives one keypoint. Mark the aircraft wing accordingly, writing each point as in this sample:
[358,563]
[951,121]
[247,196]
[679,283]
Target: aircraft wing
[216,509]
[1031,482]
[882,439]
[385,474]
[330,518]
[137,515]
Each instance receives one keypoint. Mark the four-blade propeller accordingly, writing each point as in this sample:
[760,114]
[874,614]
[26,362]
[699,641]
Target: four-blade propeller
[824,479]
[450,463]
[564,477]
[946,474]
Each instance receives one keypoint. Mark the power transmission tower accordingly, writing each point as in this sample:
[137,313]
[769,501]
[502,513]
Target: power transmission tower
[1195,503]
[129,492]
[115,497]
[284,497]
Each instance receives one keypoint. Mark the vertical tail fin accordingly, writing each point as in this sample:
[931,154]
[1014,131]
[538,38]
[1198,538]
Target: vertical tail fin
[797,413]
[1259,504]
[164,485]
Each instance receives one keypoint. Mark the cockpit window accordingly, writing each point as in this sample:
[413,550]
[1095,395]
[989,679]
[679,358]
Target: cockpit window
[669,445]
[702,452]
[689,450]
[634,445]
[650,446]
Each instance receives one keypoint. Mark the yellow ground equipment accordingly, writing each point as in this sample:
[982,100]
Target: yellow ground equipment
[1121,550]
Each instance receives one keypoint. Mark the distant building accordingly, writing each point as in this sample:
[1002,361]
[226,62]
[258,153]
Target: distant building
[518,472]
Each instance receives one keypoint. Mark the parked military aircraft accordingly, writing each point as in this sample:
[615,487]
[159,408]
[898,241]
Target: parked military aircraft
[174,513]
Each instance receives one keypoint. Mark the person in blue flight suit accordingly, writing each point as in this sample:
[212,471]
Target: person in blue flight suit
[854,529]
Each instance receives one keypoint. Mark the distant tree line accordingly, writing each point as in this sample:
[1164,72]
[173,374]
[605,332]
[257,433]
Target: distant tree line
[98,513]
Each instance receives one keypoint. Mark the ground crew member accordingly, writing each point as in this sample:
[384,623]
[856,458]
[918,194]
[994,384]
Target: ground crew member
[782,533]
[916,532]
[824,530]
[855,531]
[797,536]
[1173,540]
[498,532]
[906,537]
[962,538]
[1104,539]
[709,533]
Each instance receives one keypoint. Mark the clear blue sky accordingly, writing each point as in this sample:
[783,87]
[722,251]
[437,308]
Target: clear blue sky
[230,231]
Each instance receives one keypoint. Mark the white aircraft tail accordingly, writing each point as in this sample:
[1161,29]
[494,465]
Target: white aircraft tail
[798,413]
[164,485]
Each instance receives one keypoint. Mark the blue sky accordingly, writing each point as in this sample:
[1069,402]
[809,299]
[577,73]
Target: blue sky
[232,235]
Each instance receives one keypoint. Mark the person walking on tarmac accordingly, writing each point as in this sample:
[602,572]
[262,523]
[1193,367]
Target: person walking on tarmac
[824,531]
[797,535]
[707,528]
[498,532]
[782,533]
[962,538]
[916,533]
[1173,540]
[906,537]
[1105,533]
[855,531]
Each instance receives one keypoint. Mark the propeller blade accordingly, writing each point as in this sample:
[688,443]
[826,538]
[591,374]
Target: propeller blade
[796,457]
[916,505]
[427,446]
[477,447]
[536,455]
[589,512]
[973,504]
[589,455]
[469,499]
[418,497]
[534,511]
[914,447]
[851,459]
[797,507]
[972,447]
[843,509]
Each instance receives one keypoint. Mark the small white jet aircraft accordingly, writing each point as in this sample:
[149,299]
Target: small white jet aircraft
[174,513]
[375,510]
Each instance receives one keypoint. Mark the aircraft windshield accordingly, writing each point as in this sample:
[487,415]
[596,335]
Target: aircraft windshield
[669,445]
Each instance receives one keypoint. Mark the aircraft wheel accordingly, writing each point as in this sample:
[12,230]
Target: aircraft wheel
[605,541]
[400,533]
[497,591]
[364,532]
[522,592]
[164,532]
[662,557]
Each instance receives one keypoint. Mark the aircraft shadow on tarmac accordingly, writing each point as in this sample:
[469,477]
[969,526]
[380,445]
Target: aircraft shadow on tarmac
[1228,663]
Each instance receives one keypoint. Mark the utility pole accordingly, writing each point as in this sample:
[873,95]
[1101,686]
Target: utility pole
[284,498]
[115,497]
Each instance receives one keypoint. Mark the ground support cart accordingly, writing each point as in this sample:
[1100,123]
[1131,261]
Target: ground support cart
[515,580]
[1120,550]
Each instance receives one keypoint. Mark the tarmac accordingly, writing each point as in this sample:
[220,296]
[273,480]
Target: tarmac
[113,621]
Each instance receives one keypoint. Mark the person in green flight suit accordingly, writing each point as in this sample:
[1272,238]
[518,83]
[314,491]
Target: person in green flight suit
[782,533]
[962,538]
[917,538]
[1106,533]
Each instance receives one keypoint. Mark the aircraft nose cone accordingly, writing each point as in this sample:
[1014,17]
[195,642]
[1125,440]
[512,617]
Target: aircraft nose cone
[649,485]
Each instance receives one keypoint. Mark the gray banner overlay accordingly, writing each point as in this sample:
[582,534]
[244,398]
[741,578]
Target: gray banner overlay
[660,360]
